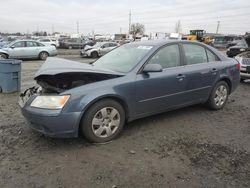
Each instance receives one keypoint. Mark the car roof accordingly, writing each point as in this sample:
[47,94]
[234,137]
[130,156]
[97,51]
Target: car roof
[24,40]
[158,43]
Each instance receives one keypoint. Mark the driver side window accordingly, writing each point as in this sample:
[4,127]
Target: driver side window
[18,44]
[167,57]
[105,45]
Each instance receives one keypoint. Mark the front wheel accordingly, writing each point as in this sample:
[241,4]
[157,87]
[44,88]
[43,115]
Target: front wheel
[3,56]
[103,121]
[219,96]
[94,55]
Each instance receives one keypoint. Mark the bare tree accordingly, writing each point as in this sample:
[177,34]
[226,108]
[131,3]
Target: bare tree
[137,28]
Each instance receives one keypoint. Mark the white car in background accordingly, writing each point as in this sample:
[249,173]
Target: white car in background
[244,60]
[99,49]
[47,42]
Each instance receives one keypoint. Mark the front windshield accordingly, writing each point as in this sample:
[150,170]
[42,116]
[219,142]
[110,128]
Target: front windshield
[9,44]
[123,59]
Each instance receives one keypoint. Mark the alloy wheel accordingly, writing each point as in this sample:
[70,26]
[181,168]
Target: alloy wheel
[220,95]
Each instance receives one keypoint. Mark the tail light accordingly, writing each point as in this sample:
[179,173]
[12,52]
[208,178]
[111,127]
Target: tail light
[238,66]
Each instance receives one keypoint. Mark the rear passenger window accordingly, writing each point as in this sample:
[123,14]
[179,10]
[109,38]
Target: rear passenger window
[167,57]
[195,54]
[211,57]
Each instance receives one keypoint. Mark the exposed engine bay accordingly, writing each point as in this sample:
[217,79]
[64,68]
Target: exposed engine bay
[57,75]
[64,81]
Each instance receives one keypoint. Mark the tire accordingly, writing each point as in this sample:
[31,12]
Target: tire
[43,55]
[218,96]
[242,79]
[3,56]
[94,55]
[98,125]
[70,47]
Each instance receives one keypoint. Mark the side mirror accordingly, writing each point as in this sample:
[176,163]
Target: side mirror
[152,68]
[12,47]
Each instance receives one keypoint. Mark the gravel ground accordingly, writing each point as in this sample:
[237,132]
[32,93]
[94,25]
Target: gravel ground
[190,147]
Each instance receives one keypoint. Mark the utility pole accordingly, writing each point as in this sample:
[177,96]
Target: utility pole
[129,22]
[53,28]
[120,30]
[77,27]
[218,26]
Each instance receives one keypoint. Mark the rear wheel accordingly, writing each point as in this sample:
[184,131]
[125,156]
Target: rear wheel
[3,56]
[43,55]
[94,55]
[103,121]
[219,96]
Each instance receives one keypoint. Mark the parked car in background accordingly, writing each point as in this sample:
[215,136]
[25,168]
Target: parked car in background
[52,42]
[222,41]
[61,41]
[72,43]
[130,82]
[244,60]
[99,49]
[240,47]
[24,49]
[234,42]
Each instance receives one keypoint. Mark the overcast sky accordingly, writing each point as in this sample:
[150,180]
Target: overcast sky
[106,16]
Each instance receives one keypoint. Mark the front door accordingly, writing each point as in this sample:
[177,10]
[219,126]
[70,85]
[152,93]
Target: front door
[17,50]
[158,91]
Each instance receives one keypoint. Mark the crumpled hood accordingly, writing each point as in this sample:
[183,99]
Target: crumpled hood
[53,66]
[87,47]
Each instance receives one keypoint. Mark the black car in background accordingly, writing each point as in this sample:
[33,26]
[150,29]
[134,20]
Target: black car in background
[241,46]
[71,43]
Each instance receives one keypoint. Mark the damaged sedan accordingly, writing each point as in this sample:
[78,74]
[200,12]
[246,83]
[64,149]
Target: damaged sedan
[133,81]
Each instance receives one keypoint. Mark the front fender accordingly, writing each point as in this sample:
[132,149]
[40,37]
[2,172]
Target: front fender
[88,101]
[4,52]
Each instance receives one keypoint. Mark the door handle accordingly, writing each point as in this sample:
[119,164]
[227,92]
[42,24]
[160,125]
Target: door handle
[180,77]
[214,71]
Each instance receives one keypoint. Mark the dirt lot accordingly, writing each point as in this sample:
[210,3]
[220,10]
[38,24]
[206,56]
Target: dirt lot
[190,147]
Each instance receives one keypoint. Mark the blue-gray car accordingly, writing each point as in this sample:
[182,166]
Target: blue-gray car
[133,81]
[27,49]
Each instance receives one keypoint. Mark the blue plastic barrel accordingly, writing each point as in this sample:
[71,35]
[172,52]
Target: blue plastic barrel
[10,75]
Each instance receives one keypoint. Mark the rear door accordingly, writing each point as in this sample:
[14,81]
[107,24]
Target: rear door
[157,91]
[201,71]
[32,49]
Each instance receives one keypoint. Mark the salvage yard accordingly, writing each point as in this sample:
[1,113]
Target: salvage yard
[190,147]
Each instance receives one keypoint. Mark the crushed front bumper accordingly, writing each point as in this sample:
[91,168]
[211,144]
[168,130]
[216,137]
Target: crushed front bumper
[53,123]
[84,53]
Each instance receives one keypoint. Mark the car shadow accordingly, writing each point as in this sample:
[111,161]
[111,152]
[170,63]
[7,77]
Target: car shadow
[130,128]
